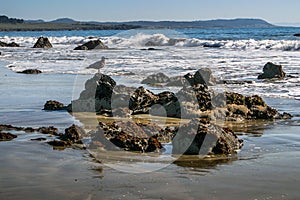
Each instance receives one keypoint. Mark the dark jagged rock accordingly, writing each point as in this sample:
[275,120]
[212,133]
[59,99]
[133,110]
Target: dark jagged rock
[202,76]
[73,134]
[97,95]
[198,95]
[51,130]
[59,144]
[272,70]
[177,81]
[142,100]
[250,107]
[44,130]
[204,138]
[54,105]
[94,44]
[43,42]
[12,44]
[124,139]
[297,35]
[156,78]
[7,136]
[103,96]
[30,71]
[235,98]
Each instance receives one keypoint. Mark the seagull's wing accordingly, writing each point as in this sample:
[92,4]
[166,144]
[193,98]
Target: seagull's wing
[94,65]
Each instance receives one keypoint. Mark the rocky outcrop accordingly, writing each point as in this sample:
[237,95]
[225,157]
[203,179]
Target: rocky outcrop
[103,96]
[112,136]
[156,79]
[43,42]
[142,101]
[93,44]
[44,130]
[202,76]
[12,44]
[250,107]
[272,70]
[202,137]
[54,105]
[6,136]
[97,95]
[73,135]
[297,35]
[30,71]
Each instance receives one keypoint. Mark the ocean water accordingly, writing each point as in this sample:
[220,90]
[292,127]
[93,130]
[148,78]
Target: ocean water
[265,168]
[232,54]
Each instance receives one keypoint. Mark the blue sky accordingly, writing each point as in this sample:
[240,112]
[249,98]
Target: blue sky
[274,11]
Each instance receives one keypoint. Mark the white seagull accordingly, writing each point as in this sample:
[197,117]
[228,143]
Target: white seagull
[98,65]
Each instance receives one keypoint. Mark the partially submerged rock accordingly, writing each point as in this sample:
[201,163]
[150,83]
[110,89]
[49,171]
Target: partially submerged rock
[7,136]
[12,44]
[103,96]
[44,130]
[93,44]
[30,71]
[43,42]
[202,137]
[111,136]
[156,78]
[272,70]
[54,105]
[203,76]
[250,107]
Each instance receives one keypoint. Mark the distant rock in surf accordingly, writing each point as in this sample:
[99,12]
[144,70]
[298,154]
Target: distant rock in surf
[297,35]
[43,42]
[30,71]
[93,44]
[202,76]
[12,44]
[6,136]
[156,79]
[54,105]
[272,70]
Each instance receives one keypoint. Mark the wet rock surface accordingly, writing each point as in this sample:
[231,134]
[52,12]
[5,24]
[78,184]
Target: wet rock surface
[202,137]
[93,44]
[156,79]
[6,136]
[115,136]
[54,105]
[272,70]
[30,71]
[12,44]
[203,76]
[103,96]
[43,42]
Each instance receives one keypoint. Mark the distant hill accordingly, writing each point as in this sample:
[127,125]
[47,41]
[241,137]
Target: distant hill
[64,20]
[12,24]
[34,21]
[219,23]
[5,20]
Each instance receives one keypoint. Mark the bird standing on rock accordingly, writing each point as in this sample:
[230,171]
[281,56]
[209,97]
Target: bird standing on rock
[98,65]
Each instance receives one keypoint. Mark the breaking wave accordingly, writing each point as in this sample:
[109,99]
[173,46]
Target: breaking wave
[159,40]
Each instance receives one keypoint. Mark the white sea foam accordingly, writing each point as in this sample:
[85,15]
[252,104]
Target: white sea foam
[140,40]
